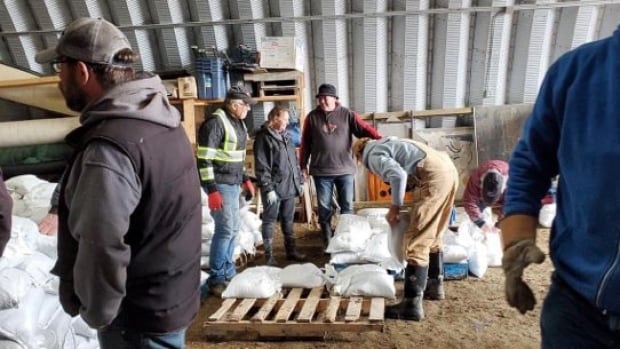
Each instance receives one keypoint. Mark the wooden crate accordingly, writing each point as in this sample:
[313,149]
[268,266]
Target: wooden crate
[379,190]
[285,83]
[297,312]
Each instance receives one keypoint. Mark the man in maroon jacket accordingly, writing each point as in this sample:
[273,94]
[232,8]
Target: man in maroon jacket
[326,142]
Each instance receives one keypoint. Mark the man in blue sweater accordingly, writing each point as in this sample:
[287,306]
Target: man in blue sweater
[571,133]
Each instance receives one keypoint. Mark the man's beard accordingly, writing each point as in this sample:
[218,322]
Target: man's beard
[75,98]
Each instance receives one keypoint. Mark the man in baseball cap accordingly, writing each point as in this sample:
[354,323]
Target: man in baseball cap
[90,40]
[129,257]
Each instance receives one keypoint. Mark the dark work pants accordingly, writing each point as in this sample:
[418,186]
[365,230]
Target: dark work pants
[283,210]
[567,321]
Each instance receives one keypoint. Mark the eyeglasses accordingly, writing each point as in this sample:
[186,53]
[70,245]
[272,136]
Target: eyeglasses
[58,62]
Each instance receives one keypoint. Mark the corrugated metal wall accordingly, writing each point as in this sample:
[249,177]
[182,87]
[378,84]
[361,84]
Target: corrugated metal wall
[382,55]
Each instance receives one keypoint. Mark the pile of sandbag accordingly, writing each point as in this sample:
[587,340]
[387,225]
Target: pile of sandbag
[262,282]
[472,246]
[356,241]
[30,312]
[249,231]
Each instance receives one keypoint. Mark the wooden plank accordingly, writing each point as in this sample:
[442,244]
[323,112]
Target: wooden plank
[284,75]
[242,309]
[377,309]
[44,80]
[332,309]
[267,307]
[353,309]
[289,305]
[309,308]
[406,115]
[223,309]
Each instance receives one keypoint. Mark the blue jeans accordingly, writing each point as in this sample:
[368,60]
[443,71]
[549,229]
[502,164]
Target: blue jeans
[221,263]
[567,320]
[119,338]
[324,190]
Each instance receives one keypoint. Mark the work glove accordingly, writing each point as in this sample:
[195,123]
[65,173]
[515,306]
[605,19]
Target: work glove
[516,258]
[215,201]
[272,198]
[248,189]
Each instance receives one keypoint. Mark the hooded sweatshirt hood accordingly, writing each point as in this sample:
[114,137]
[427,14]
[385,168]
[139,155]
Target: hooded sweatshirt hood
[144,98]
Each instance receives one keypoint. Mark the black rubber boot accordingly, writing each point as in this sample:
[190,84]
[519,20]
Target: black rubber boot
[411,306]
[326,233]
[291,251]
[434,287]
[269,260]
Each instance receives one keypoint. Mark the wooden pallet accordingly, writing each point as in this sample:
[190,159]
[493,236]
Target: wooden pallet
[297,312]
[286,83]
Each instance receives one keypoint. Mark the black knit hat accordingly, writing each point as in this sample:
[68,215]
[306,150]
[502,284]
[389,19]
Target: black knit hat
[327,90]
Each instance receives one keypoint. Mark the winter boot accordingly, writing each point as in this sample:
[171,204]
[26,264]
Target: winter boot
[410,308]
[434,287]
[291,250]
[326,231]
[269,260]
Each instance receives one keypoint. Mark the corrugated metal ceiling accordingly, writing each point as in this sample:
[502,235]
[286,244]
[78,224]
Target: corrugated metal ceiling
[382,55]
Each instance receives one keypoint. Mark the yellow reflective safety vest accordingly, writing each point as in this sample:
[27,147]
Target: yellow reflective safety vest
[221,149]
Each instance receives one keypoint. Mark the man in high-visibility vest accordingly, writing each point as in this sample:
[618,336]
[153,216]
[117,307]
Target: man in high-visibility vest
[221,161]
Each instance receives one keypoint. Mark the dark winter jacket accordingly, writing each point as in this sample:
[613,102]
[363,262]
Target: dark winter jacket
[221,154]
[573,132]
[276,165]
[130,215]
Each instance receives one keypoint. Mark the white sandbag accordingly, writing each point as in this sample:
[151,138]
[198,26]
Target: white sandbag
[493,242]
[24,235]
[478,259]
[250,220]
[346,258]
[245,240]
[23,184]
[376,249]
[256,282]
[207,230]
[454,253]
[373,211]
[81,342]
[9,344]
[80,327]
[53,335]
[305,275]
[396,238]
[375,217]
[20,324]
[547,215]
[14,284]
[352,233]
[48,245]
[38,266]
[364,280]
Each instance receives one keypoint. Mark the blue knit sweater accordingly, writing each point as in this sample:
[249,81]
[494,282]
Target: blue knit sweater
[574,131]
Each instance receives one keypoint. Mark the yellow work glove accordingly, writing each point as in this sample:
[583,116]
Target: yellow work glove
[516,258]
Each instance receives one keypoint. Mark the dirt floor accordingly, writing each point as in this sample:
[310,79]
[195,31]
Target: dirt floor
[473,315]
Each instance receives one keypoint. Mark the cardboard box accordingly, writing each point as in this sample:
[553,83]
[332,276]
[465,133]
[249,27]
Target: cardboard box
[281,52]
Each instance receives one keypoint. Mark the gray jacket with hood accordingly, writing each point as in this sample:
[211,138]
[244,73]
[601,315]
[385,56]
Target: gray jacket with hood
[112,255]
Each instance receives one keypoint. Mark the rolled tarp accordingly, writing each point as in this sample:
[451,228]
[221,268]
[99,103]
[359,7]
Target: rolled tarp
[33,132]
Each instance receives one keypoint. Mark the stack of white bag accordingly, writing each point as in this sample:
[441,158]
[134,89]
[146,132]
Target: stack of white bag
[265,281]
[355,241]
[368,280]
[249,231]
[31,196]
[470,244]
[30,313]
